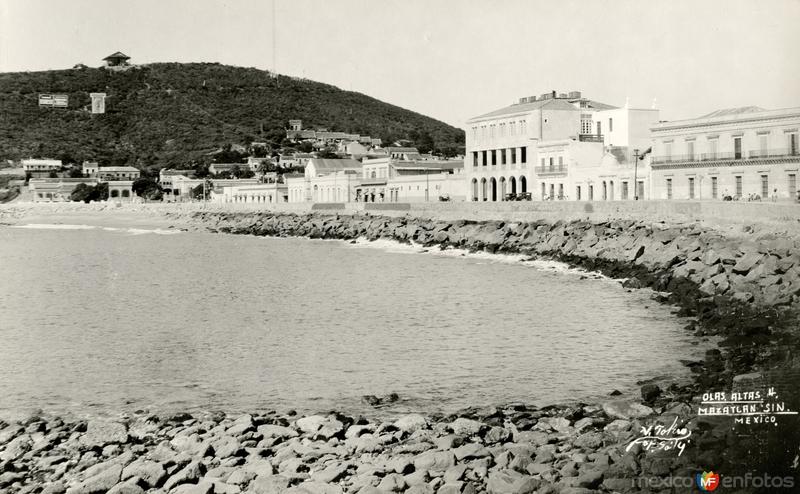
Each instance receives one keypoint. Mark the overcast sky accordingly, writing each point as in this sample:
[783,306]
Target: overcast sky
[447,59]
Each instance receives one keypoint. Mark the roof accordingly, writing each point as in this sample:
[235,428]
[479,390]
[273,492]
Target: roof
[429,165]
[550,104]
[334,164]
[395,149]
[117,169]
[733,111]
[117,54]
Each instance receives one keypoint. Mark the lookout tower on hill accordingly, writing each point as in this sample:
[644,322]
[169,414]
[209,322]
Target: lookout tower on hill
[117,59]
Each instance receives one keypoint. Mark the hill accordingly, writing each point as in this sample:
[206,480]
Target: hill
[169,114]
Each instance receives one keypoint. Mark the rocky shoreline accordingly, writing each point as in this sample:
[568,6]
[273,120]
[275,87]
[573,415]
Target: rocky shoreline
[745,290]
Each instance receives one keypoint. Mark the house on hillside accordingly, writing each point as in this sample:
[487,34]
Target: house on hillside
[110,173]
[40,168]
[116,59]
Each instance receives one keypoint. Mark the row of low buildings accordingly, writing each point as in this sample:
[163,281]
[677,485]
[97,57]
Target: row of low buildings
[384,179]
[567,147]
[43,187]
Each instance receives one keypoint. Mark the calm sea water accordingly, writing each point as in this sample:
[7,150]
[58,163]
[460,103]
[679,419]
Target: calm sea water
[95,320]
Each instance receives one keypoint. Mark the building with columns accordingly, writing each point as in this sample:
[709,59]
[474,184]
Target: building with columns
[558,147]
[744,153]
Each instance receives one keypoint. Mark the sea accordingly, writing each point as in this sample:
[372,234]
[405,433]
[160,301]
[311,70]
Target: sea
[98,320]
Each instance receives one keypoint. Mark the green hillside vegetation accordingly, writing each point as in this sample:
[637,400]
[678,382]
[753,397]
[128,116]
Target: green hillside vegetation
[171,114]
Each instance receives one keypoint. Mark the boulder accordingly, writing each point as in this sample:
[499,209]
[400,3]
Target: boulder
[650,392]
[437,461]
[189,474]
[466,427]
[511,482]
[150,473]
[100,483]
[411,422]
[626,410]
[103,432]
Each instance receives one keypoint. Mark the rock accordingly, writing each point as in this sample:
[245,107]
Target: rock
[470,450]
[589,440]
[130,487]
[411,422]
[189,474]
[152,474]
[319,426]
[99,483]
[466,427]
[511,482]
[56,487]
[270,431]
[330,474]
[454,473]
[226,446]
[626,410]
[650,392]
[199,488]
[103,432]
[16,448]
[747,262]
[269,484]
[496,435]
[437,461]
[536,437]
[394,482]
[240,477]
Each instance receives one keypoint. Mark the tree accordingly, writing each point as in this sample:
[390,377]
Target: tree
[148,189]
[81,193]
[75,173]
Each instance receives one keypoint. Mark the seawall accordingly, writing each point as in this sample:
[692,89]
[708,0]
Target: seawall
[738,285]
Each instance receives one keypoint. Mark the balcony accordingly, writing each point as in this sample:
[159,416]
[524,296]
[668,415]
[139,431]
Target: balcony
[551,171]
[590,137]
[732,156]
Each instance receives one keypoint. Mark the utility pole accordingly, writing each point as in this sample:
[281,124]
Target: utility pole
[635,175]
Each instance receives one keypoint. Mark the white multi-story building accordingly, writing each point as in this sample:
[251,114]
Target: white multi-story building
[557,146]
[739,153]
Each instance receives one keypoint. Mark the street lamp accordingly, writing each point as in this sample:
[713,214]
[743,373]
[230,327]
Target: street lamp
[635,175]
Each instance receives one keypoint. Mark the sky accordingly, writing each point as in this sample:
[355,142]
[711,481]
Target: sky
[448,59]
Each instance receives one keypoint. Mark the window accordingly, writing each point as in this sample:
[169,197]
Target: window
[690,150]
[552,191]
[739,186]
[762,146]
[513,154]
[714,188]
[544,192]
[610,125]
[668,150]
[578,193]
[712,149]
[523,155]
[599,128]
[764,186]
[513,128]
[792,185]
[484,161]
[669,188]
[737,148]
[502,156]
[494,157]
[691,187]
[551,163]
[624,191]
[591,192]
[561,191]
[560,162]
[792,144]
[474,158]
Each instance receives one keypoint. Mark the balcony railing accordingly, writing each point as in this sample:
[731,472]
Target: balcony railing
[551,170]
[731,156]
[590,137]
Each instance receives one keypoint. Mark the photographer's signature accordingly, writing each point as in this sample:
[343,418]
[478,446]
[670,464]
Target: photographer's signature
[661,438]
